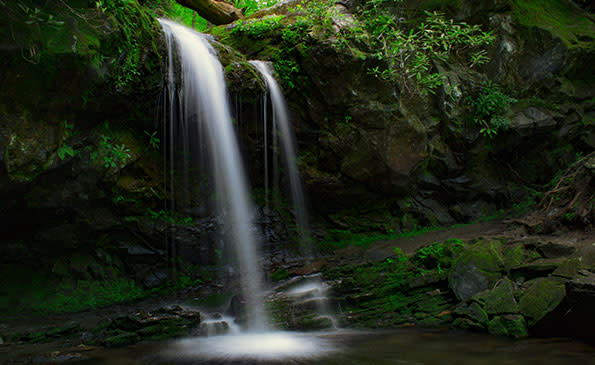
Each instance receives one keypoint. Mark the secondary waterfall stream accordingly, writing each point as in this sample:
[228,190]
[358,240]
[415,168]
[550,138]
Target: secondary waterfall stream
[281,122]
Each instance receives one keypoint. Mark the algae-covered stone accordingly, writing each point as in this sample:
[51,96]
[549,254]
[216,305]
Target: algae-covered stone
[499,300]
[473,312]
[512,325]
[123,339]
[542,297]
[568,268]
[467,324]
[477,269]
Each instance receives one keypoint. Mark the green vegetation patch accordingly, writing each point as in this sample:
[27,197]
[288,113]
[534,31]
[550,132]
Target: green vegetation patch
[562,18]
[393,291]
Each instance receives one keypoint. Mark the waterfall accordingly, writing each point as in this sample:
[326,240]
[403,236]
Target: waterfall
[203,114]
[281,122]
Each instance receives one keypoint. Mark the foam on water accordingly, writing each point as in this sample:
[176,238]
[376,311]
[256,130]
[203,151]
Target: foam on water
[276,346]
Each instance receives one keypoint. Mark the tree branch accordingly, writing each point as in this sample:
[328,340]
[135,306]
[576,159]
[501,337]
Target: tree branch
[214,11]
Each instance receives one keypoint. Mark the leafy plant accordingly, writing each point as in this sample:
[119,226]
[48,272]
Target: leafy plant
[488,109]
[114,155]
[438,255]
[260,28]
[64,151]
[169,216]
[251,6]
[409,56]
[67,150]
[153,139]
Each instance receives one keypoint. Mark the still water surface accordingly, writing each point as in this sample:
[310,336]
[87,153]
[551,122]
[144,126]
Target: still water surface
[407,346]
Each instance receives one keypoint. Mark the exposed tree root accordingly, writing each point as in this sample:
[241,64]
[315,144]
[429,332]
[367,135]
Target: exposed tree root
[569,203]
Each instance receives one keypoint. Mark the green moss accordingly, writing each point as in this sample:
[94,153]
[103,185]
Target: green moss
[542,297]
[499,300]
[438,255]
[280,275]
[513,255]
[569,268]
[473,312]
[382,294]
[508,325]
[558,16]
[486,255]
[123,339]
[467,324]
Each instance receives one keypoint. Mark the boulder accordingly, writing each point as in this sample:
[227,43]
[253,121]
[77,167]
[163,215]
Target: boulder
[508,325]
[541,297]
[531,120]
[580,299]
[473,312]
[478,268]
[499,300]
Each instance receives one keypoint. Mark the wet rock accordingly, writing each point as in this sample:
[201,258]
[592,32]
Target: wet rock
[214,328]
[499,300]
[508,325]
[161,324]
[46,335]
[473,312]
[541,297]
[467,324]
[122,339]
[477,269]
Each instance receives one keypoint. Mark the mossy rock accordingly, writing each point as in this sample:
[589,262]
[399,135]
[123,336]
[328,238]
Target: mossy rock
[542,297]
[512,325]
[499,300]
[122,339]
[568,268]
[477,269]
[467,324]
[473,312]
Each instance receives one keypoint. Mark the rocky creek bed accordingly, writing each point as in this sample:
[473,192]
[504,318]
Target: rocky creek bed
[506,283]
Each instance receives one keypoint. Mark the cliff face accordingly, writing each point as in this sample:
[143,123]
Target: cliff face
[81,173]
[79,95]
[377,154]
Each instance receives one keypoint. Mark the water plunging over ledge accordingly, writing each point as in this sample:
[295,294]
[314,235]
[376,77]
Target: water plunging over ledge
[203,106]
[203,101]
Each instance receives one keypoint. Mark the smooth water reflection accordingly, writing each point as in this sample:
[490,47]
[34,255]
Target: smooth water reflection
[406,346]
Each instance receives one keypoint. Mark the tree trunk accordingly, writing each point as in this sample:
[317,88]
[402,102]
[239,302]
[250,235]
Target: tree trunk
[216,12]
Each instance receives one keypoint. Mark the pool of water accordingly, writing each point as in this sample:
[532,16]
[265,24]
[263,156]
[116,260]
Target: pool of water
[407,346]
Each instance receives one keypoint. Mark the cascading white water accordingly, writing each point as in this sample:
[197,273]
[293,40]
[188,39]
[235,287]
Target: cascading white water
[198,106]
[281,121]
[203,98]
